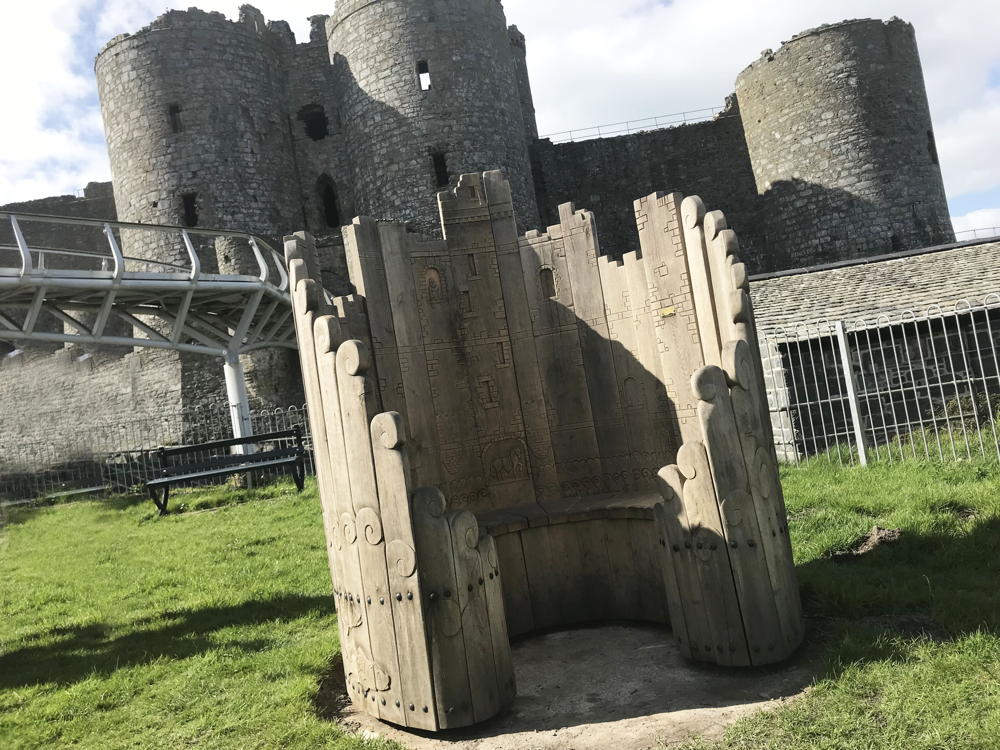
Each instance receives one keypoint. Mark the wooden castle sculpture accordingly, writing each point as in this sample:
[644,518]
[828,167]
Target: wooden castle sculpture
[517,433]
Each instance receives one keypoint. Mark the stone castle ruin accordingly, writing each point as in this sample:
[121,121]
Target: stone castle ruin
[825,152]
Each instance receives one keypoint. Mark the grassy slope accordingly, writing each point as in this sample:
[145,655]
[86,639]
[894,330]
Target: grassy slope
[913,658]
[120,629]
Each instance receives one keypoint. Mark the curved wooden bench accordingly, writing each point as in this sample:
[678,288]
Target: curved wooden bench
[579,561]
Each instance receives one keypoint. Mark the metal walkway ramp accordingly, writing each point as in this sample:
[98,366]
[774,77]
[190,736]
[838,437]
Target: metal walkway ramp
[139,285]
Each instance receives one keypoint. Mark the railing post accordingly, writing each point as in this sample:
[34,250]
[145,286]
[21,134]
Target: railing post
[852,391]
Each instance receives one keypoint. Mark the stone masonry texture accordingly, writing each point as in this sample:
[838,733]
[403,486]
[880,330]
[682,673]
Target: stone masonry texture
[842,146]
[825,152]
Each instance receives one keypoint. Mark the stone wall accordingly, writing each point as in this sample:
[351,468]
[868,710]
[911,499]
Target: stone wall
[842,145]
[197,133]
[709,159]
[470,116]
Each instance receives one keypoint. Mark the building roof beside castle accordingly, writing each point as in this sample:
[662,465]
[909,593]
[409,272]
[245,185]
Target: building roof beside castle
[885,285]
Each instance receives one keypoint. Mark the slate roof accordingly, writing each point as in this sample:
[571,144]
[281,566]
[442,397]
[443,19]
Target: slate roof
[912,280]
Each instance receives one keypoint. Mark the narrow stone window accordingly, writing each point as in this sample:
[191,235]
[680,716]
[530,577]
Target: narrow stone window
[932,147]
[190,203]
[328,200]
[317,125]
[174,113]
[473,265]
[440,160]
[466,301]
[424,75]
[548,281]
[501,354]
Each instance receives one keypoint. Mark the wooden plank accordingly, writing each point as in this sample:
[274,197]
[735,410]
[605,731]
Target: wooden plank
[572,599]
[655,434]
[522,343]
[624,595]
[449,667]
[543,581]
[364,530]
[596,581]
[648,577]
[700,280]
[765,489]
[560,364]
[729,471]
[724,629]
[580,237]
[367,271]
[517,596]
[499,635]
[670,531]
[476,629]
[398,263]
[351,614]
[406,593]
[307,305]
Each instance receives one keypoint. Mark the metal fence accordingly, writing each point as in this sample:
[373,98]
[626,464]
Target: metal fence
[120,455]
[909,385]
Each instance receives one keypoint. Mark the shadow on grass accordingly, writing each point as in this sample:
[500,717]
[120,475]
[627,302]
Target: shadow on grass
[70,654]
[926,586]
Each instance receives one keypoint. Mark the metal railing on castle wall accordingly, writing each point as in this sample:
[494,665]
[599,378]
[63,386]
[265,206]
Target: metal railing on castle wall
[629,127]
[912,384]
[120,454]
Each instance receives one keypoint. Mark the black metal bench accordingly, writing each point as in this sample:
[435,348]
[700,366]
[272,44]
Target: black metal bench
[190,462]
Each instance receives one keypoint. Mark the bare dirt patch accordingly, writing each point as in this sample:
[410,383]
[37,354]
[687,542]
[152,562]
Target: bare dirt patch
[618,686]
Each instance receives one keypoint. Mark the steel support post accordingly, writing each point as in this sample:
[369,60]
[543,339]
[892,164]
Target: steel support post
[239,401]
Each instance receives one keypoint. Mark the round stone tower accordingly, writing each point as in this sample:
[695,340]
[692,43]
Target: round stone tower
[429,90]
[198,136]
[195,124]
[840,139]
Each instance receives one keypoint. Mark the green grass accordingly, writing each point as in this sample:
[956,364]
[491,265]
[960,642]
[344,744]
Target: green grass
[119,629]
[912,630]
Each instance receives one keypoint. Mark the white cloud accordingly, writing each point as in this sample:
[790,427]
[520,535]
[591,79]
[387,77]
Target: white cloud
[982,223]
[592,62]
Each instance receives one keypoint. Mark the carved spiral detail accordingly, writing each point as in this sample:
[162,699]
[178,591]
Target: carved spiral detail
[708,383]
[326,333]
[465,526]
[349,527]
[689,457]
[371,523]
[715,222]
[402,556]
[734,506]
[352,357]
[736,359]
[388,430]
[429,501]
[692,211]
[491,555]
[766,473]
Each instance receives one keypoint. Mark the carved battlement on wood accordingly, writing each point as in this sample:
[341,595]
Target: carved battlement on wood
[546,392]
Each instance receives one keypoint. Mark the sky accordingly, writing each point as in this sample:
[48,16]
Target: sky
[592,62]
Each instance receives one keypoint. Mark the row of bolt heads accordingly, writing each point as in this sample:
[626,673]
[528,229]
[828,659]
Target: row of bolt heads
[432,596]
[714,546]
